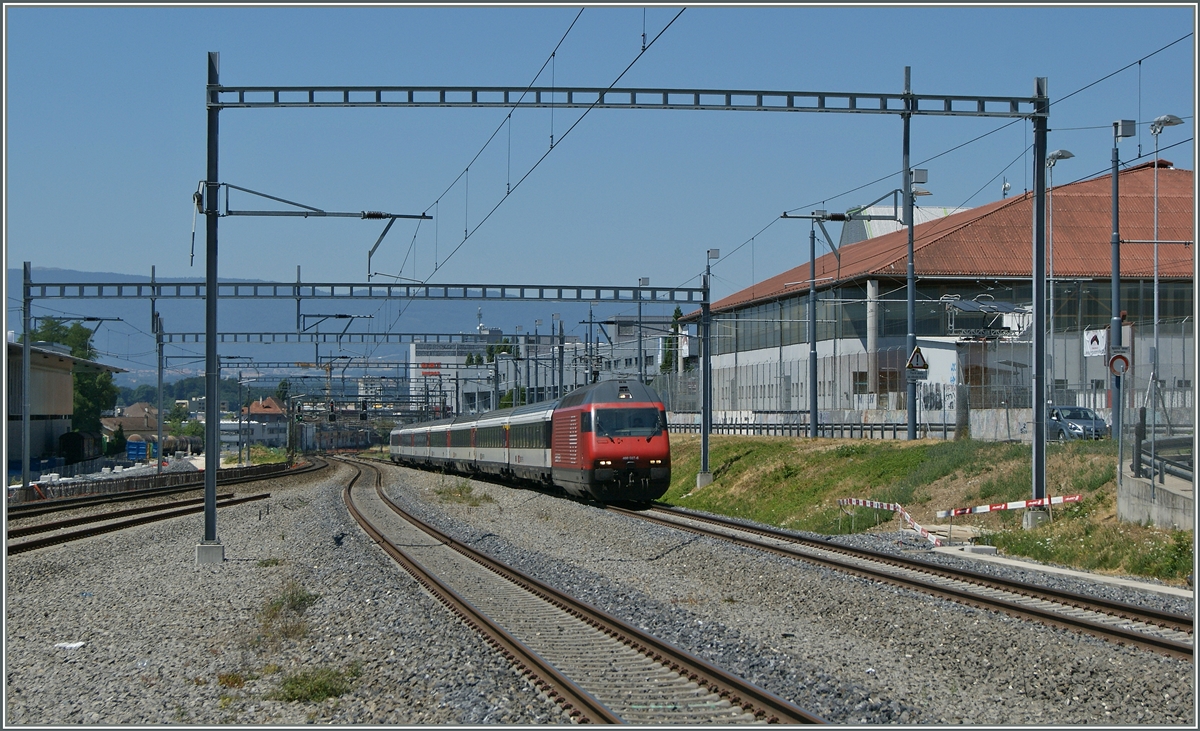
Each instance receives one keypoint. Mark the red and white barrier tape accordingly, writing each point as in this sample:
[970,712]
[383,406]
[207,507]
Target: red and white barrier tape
[1017,505]
[895,508]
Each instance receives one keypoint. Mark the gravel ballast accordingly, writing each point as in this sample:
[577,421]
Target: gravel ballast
[167,641]
[850,650]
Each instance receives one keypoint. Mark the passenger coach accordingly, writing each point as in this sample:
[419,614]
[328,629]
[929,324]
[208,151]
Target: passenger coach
[606,441]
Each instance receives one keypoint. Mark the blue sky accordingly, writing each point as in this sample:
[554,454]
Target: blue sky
[105,131]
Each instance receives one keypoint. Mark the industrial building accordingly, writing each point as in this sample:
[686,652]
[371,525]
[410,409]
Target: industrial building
[973,313]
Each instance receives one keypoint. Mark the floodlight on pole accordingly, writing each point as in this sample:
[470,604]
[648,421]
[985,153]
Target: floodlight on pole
[817,218]
[556,390]
[704,477]
[1051,159]
[642,282]
[1121,128]
[1156,128]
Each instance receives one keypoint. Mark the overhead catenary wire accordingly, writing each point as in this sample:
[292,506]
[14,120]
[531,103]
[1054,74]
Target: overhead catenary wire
[539,161]
[964,144]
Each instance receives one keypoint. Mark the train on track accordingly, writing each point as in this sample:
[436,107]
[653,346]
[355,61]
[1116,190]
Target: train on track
[607,441]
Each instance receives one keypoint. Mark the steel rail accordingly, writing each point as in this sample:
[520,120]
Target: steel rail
[28,530]
[54,540]
[739,692]
[1124,610]
[42,507]
[1104,631]
[580,704]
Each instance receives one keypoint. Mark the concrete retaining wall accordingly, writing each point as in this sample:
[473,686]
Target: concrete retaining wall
[1002,425]
[1140,502]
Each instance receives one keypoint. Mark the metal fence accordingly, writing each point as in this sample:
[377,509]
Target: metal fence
[60,489]
[992,374]
[844,430]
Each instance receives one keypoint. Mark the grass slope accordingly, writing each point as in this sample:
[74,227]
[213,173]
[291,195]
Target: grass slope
[796,483]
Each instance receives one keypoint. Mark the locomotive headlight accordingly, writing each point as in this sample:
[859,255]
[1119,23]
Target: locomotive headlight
[656,461]
[605,462]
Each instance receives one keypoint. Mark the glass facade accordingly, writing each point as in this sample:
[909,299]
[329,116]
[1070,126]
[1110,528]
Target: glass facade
[842,312]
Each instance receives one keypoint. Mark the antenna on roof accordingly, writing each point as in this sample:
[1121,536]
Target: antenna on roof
[1005,188]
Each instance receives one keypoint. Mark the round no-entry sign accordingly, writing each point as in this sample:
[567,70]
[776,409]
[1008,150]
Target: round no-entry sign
[1118,364]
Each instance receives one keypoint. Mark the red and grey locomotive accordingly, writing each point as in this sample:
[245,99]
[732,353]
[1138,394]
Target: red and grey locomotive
[607,441]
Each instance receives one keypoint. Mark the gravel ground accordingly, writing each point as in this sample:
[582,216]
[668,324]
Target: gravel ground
[845,648]
[167,641]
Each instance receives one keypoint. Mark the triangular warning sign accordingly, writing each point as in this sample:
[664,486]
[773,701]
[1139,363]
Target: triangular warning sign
[916,361]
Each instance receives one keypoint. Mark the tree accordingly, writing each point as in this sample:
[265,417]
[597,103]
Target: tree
[94,392]
[144,392]
[117,444]
[282,391]
[507,399]
[494,350]
[175,419]
[672,347]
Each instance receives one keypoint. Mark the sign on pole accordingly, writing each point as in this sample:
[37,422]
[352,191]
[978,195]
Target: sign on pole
[917,361]
[1118,364]
[1095,342]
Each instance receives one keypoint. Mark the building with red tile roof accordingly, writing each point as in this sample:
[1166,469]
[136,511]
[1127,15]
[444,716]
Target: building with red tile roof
[970,257]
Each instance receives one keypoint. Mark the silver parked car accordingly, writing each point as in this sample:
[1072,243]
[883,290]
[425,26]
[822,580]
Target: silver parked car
[1075,422]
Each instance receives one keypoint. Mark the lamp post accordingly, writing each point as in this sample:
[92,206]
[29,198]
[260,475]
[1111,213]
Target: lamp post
[1051,159]
[537,350]
[1156,128]
[562,354]
[705,476]
[818,218]
[518,340]
[1121,128]
[588,350]
[642,282]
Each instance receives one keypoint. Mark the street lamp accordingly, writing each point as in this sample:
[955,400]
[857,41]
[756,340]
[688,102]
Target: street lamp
[517,339]
[1156,128]
[642,282]
[1121,128]
[912,190]
[817,218]
[704,477]
[537,351]
[1051,159]
[557,391]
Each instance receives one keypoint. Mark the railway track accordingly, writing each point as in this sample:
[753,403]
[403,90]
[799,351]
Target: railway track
[148,514]
[597,667]
[44,507]
[1165,632]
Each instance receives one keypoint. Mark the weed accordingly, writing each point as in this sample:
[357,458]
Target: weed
[796,482]
[281,616]
[230,680]
[462,492]
[270,562]
[224,702]
[311,685]
[1093,477]
[199,681]
[1073,539]
[270,668]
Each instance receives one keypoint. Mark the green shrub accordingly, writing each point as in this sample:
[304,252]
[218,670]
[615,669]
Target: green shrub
[462,492]
[281,616]
[311,685]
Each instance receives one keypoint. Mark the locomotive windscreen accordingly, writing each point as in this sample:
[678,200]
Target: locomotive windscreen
[627,422]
